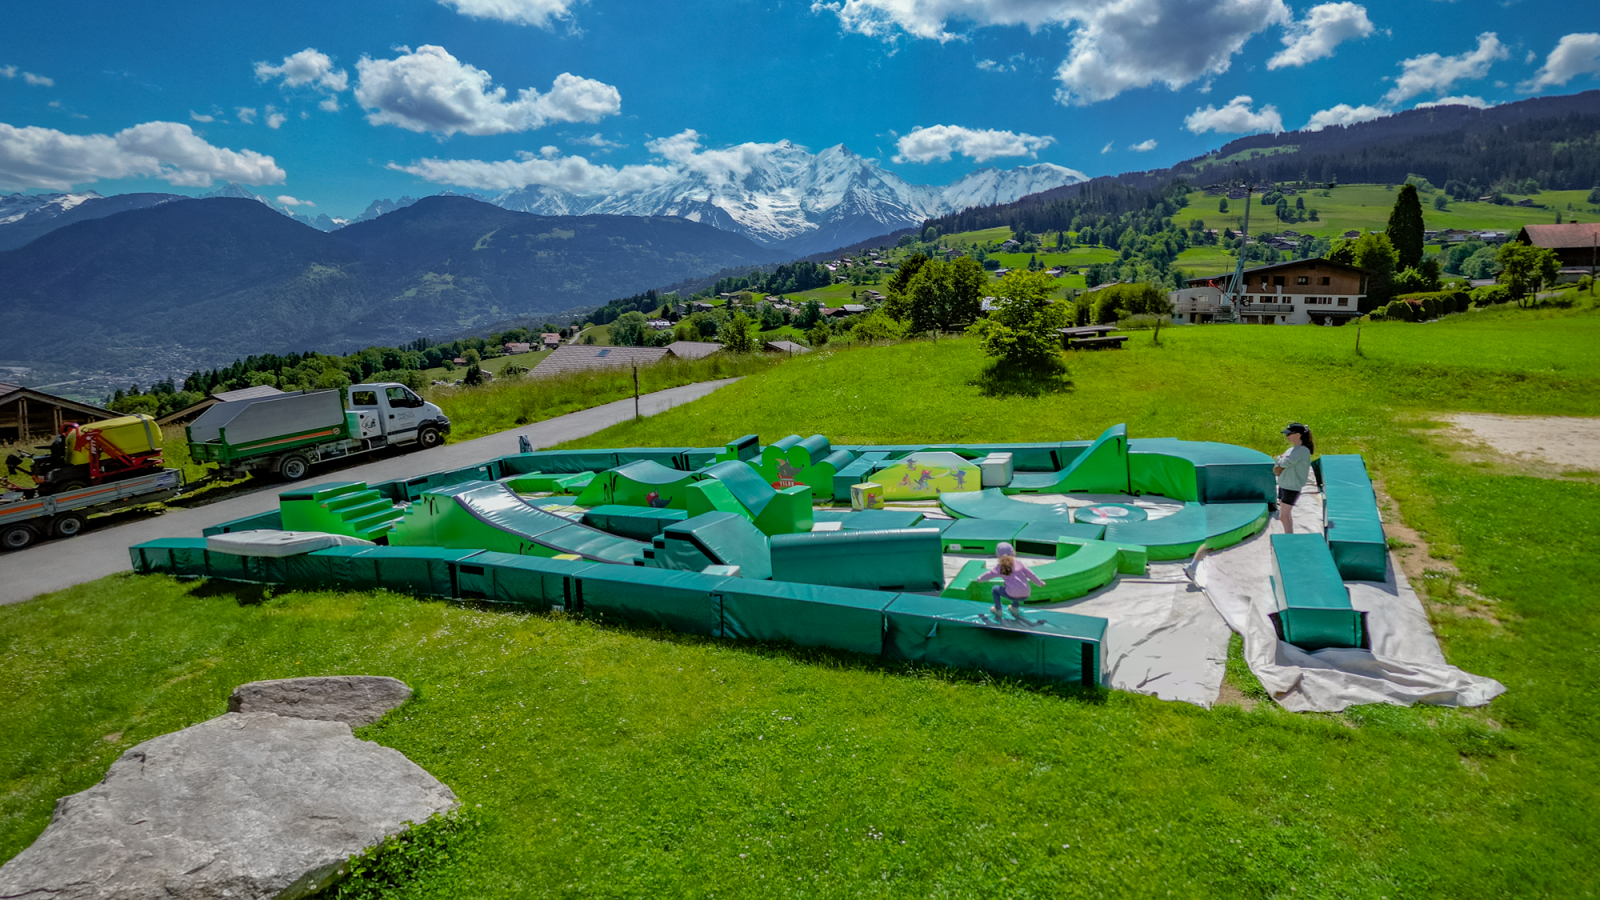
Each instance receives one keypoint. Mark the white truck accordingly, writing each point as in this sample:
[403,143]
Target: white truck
[287,434]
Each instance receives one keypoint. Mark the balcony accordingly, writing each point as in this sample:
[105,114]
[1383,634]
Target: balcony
[1250,309]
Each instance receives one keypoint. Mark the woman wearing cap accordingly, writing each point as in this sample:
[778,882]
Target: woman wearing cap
[1016,578]
[1293,468]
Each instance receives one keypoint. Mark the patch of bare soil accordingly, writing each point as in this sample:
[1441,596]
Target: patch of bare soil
[1232,696]
[1438,582]
[1541,446]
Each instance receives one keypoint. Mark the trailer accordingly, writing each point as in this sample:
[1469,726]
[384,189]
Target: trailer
[25,519]
[287,434]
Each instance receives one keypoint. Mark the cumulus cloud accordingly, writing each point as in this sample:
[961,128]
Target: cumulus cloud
[1235,118]
[1143,146]
[1115,46]
[286,200]
[1324,28]
[595,140]
[1465,100]
[539,13]
[1344,114]
[247,114]
[939,142]
[431,91]
[29,77]
[308,67]
[33,157]
[1432,73]
[199,117]
[1574,55]
[275,119]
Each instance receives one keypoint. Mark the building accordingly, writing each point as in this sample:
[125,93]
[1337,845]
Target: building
[693,349]
[1299,292]
[512,348]
[27,414]
[550,339]
[578,357]
[1576,244]
[789,347]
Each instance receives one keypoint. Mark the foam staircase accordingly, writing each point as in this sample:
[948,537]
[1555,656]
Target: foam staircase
[349,508]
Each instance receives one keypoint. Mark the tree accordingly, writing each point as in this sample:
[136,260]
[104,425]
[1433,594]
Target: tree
[1406,229]
[1222,206]
[474,375]
[1441,202]
[629,329]
[878,325]
[1524,268]
[1123,300]
[472,357]
[1021,331]
[811,313]
[1375,254]
[736,334]
[898,305]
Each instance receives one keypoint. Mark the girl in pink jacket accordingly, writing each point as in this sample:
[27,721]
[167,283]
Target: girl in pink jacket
[1015,576]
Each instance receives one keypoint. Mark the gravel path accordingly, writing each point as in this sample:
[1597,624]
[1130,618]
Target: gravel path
[1569,441]
[54,565]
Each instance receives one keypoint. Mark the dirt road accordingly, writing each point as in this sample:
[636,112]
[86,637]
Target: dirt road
[53,565]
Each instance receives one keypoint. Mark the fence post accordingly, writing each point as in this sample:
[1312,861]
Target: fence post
[1358,338]
[636,391]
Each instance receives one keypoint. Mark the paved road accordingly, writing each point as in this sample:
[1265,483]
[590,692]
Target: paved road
[53,565]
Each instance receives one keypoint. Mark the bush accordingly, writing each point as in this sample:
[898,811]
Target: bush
[817,336]
[1440,303]
[1020,333]
[878,325]
[1121,301]
[1491,294]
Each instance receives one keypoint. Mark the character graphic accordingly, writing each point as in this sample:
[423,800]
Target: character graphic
[923,479]
[655,501]
[787,474]
[961,479]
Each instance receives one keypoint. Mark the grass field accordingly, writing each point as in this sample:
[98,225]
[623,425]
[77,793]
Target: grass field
[613,762]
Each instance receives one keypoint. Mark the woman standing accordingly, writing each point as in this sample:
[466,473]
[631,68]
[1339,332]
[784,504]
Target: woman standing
[1293,468]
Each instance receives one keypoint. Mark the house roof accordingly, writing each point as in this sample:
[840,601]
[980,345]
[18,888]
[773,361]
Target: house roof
[10,393]
[786,347]
[1572,235]
[578,357]
[249,393]
[693,349]
[1201,281]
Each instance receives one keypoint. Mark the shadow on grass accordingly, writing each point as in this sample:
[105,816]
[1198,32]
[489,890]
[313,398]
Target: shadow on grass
[242,592]
[1002,379]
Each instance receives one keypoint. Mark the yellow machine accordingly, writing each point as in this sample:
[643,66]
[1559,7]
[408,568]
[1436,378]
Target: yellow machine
[131,435]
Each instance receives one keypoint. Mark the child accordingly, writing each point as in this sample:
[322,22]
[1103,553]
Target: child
[1015,579]
[1293,468]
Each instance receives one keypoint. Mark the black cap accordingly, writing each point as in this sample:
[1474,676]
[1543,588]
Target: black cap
[1296,428]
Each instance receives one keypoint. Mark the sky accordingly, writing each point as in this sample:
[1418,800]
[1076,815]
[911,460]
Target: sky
[325,106]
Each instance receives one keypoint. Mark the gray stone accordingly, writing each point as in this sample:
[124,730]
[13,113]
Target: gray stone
[355,700]
[245,806]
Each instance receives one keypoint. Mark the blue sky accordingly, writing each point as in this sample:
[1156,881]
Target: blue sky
[335,104]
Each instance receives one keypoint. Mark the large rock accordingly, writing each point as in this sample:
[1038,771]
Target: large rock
[355,700]
[245,806]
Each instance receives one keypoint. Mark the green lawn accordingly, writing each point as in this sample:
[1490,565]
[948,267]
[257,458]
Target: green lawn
[1367,207]
[615,762]
[493,365]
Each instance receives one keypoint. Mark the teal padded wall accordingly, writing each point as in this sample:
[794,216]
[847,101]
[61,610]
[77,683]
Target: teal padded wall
[948,632]
[685,602]
[1350,518]
[907,559]
[182,557]
[804,614]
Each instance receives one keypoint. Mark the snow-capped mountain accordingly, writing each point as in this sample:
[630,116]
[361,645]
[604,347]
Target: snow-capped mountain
[804,202]
[16,207]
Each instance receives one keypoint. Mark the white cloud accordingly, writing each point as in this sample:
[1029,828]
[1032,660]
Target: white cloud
[286,200]
[8,71]
[938,142]
[308,67]
[1143,146]
[1107,148]
[275,119]
[38,80]
[1115,46]
[1324,28]
[989,65]
[32,157]
[201,118]
[1235,118]
[432,91]
[539,13]
[1464,100]
[595,140]
[1344,114]
[1574,55]
[1432,73]
[329,104]
[247,114]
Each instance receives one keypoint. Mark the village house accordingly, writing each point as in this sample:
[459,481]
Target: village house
[1576,245]
[1300,292]
[512,348]
[550,340]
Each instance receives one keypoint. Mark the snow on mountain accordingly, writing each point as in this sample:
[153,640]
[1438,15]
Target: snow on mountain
[802,201]
[15,207]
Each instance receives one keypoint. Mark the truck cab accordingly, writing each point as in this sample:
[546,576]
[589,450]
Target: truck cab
[393,414]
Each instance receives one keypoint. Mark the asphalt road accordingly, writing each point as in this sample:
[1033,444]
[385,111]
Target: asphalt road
[52,565]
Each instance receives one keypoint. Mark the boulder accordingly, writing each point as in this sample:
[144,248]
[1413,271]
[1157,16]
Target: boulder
[355,700]
[247,806]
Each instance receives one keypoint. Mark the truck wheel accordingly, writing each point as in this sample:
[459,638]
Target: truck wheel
[16,537]
[428,437]
[68,525]
[294,467]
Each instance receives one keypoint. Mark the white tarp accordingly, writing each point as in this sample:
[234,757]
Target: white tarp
[276,544]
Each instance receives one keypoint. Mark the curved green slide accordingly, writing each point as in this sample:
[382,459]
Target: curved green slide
[489,516]
[1100,469]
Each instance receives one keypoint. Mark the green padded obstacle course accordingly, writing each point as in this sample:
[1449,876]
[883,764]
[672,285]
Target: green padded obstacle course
[900,559]
[347,507]
[643,482]
[736,487]
[1350,519]
[640,523]
[1312,603]
[490,516]
[1102,468]
[945,632]
[927,476]
[540,483]
[810,461]
[712,539]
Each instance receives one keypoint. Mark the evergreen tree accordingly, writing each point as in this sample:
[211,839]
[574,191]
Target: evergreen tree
[1405,228]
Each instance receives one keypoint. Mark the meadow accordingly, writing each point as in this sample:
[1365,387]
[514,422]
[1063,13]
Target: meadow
[612,762]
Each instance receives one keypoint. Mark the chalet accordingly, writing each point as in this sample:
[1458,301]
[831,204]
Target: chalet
[1056,272]
[1526,201]
[874,296]
[1001,272]
[513,348]
[1352,234]
[1010,243]
[853,309]
[550,340]
[1300,292]
[702,306]
[789,347]
[658,323]
[27,414]
[1576,245]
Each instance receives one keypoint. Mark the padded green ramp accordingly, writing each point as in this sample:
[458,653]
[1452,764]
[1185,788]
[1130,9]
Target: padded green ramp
[1100,469]
[880,519]
[639,523]
[1179,535]
[531,581]
[941,631]
[642,483]
[805,614]
[182,557]
[1200,471]
[490,516]
[1313,605]
[717,538]
[272,521]
[1350,519]
[559,462]
[540,483]
[992,503]
[685,602]
[775,512]
[906,559]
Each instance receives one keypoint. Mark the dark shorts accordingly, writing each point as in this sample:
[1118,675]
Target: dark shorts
[1287,497]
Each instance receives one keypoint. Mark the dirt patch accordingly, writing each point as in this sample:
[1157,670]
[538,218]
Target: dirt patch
[1232,696]
[1438,582]
[1544,446]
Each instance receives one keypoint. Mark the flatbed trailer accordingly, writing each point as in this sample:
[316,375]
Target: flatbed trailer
[24,520]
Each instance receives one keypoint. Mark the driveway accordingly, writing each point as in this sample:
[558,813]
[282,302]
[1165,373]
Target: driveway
[53,565]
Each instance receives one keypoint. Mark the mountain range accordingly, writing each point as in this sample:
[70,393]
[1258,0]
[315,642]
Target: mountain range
[205,281]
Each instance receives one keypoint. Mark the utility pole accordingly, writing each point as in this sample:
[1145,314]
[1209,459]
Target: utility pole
[636,391]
